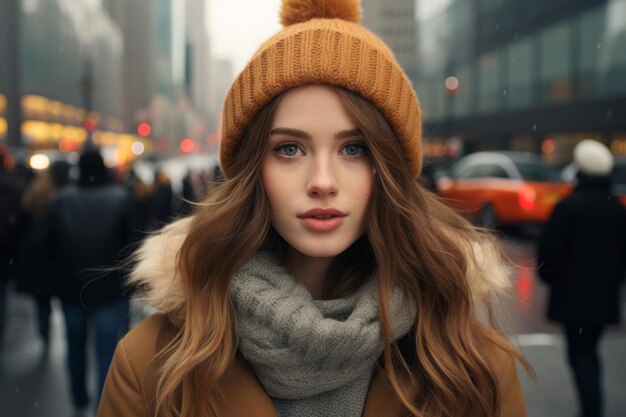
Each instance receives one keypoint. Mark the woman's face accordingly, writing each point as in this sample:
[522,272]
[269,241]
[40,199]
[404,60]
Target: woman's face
[317,173]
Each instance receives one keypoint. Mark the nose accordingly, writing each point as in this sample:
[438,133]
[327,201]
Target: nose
[322,181]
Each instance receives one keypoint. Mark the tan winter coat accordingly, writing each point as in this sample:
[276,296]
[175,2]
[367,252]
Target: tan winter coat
[130,386]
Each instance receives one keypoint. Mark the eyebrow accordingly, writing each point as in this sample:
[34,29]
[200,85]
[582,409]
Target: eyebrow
[304,135]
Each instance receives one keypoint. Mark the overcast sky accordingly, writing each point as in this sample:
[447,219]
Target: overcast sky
[238,27]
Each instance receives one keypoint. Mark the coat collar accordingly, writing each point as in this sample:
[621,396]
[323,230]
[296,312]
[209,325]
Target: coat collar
[243,395]
[593,182]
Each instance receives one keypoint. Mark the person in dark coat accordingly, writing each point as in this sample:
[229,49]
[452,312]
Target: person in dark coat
[160,210]
[33,275]
[87,228]
[581,256]
[189,193]
[141,195]
[10,225]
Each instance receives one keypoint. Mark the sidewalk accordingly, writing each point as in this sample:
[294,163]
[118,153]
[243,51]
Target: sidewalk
[552,395]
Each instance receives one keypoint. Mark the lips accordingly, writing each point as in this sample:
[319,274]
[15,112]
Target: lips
[323,212]
[322,219]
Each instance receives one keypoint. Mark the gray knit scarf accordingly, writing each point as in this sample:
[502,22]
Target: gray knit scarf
[314,358]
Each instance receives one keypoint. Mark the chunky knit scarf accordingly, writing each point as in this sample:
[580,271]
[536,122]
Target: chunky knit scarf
[314,358]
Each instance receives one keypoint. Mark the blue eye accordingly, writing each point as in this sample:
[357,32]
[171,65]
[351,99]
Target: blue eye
[288,150]
[354,149]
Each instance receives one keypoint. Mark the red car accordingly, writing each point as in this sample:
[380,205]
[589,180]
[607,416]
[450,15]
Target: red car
[503,188]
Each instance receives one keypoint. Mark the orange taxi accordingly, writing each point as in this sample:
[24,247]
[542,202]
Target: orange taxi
[503,188]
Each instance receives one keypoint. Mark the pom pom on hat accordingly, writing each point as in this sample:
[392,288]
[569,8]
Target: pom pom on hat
[593,158]
[299,11]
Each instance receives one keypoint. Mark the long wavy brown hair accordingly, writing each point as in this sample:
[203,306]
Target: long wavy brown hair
[411,240]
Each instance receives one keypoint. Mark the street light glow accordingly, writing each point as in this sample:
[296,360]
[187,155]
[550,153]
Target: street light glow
[144,129]
[452,83]
[39,161]
[187,145]
[137,148]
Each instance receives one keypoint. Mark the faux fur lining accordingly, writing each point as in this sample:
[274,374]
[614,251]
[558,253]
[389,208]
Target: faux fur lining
[155,272]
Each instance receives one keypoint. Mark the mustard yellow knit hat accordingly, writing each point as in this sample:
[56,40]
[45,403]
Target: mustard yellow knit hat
[322,42]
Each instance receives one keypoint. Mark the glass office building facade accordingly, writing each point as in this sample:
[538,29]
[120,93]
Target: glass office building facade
[536,76]
[73,71]
[66,57]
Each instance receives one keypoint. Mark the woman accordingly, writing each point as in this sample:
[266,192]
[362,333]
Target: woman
[319,279]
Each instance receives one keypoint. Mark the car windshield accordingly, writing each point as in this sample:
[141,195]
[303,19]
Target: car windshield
[537,172]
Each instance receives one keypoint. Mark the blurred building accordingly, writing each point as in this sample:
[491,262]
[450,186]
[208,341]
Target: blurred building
[198,56]
[166,70]
[8,70]
[538,75]
[66,56]
[61,84]
[131,76]
[221,78]
[137,21]
[394,21]
[153,68]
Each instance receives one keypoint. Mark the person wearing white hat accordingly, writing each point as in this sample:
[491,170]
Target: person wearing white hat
[581,258]
[593,158]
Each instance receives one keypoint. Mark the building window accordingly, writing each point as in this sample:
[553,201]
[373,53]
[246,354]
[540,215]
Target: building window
[591,34]
[487,6]
[463,97]
[602,63]
[431,93]
[520,77]
[614,56]
[489,91]
[555,69]
[463,31]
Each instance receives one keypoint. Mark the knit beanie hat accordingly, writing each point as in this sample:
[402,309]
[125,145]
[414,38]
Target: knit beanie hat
[322,42]
[593,158]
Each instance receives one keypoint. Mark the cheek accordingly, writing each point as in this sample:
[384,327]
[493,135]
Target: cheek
[363,192]
[276,188]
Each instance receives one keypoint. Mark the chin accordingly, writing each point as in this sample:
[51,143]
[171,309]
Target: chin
[321,249]
[320,253]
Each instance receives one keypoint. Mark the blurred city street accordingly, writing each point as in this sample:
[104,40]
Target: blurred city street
[34,384]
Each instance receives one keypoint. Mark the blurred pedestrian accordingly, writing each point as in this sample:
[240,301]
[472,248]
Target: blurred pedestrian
[319,279]
[34,275]
[188,197]
[160,210]
[142,194]
[10,227]
[86,227]
[581,256]
[215,179]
